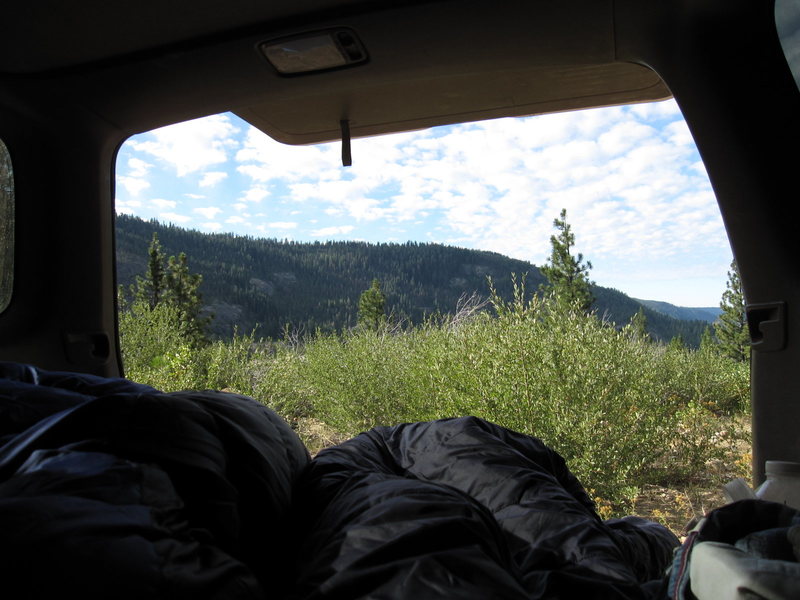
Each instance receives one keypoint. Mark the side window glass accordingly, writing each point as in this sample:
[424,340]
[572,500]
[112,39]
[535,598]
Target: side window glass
[787,21]
[6,227]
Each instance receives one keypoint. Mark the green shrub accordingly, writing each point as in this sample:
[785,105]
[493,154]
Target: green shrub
[622,410]
[154,351]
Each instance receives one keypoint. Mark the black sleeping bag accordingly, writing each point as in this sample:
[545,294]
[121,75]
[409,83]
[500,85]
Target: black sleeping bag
[462,508]
[111,489]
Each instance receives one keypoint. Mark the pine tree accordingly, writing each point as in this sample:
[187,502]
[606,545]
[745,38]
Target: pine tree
[169,281]
[372,306]
[150,288]
[731,327]
[567,275]
[182,290]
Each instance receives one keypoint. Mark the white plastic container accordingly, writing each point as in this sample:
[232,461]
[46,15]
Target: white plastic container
[782,483]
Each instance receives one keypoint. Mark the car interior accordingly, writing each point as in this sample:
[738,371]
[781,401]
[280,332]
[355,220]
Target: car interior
[77,79]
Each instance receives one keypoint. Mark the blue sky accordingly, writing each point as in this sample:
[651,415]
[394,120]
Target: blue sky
[636,193]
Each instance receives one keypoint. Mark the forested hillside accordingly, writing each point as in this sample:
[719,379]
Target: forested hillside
[268,284]
[709,314]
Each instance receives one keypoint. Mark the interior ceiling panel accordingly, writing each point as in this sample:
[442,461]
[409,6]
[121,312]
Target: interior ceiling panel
[47,35]
[446,100]
[458,62]
[427,63]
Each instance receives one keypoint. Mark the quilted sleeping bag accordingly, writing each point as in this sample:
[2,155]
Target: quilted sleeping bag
[112,489]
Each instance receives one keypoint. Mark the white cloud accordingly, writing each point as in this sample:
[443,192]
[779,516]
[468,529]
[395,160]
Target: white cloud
[623,137]
[282,225]
[654,110]
[263,159]
[209,212]
[211,226]
[172,217]
[212,178]
[161,203]
[332,231]
[192,145]
[136,179]
[254,194]
[133,185]
[127,207]
[137,167]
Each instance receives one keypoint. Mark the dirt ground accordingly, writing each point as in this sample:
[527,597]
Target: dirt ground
[679,508]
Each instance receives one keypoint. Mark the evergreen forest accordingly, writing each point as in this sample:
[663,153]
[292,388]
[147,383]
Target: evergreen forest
[269,285]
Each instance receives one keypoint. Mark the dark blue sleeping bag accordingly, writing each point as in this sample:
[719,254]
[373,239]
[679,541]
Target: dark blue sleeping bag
[111,489]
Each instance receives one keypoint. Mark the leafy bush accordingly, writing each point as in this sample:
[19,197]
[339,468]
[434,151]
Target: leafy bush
[622,410]
[153,348]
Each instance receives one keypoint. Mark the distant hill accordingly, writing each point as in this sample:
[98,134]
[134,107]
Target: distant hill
[708,314]
[268,283]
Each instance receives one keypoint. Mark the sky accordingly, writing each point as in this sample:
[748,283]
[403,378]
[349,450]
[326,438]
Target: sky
[636,193]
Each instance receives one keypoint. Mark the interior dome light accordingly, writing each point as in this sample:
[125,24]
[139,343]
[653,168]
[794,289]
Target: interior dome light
[318,51]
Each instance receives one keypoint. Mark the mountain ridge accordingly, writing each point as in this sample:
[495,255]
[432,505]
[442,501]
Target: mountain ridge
[266,283]
[685,313]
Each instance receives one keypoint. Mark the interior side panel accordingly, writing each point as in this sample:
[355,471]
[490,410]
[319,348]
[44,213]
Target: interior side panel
[61,314]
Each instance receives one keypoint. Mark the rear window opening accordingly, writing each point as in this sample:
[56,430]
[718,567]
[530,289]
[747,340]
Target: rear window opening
[430,232]
[623,173]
